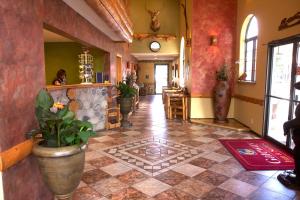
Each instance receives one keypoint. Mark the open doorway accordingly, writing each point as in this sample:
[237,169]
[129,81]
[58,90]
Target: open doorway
[161,77]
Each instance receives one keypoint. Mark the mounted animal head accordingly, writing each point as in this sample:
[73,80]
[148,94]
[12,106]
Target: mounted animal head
[155,25]
[153,15]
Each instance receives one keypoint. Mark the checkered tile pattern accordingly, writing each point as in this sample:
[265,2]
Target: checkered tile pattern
[154,155]
[159,159]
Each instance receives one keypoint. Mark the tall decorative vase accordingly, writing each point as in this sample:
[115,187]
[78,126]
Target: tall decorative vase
[125,108]
[222,98]
[61,168]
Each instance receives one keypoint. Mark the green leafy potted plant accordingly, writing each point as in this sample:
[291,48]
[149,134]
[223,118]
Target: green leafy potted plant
[222,95]
[61,151]
[126,94]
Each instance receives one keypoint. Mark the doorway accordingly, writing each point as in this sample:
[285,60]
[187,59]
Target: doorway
[281,96]
[161,77]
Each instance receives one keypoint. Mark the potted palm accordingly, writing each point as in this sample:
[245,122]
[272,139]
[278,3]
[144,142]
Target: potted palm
[222,95]
[126,94]
[61,151]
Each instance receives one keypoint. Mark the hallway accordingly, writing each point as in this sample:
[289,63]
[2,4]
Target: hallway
[169,160]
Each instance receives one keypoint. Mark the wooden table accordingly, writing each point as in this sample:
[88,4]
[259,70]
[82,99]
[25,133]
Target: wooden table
[166,91]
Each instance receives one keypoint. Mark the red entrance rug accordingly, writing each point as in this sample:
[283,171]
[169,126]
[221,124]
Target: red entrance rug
[259,154]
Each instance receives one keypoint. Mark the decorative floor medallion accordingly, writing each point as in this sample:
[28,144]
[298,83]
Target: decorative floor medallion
[153,155]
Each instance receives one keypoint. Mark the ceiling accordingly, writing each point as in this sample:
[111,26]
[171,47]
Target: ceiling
[155,56]
[53,37]
[83,9]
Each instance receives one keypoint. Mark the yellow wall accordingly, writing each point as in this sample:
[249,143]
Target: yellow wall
[64,55]
[249,114]
[203,108]
[168,18]
[142,46]
[147,68]
[269,15]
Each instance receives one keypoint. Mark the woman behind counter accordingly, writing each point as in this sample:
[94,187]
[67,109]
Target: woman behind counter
[61,78]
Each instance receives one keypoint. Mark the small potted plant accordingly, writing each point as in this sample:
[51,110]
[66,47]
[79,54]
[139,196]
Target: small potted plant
[126,94]
[222,95]
[61,151]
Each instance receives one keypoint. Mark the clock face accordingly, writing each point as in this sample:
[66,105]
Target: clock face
[154,46]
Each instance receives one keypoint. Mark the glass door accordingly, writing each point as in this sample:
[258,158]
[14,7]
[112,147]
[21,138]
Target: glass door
[161,77]
[296,96]
[281,97]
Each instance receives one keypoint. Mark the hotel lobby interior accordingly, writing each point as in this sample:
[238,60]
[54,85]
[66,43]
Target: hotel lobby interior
[207,75]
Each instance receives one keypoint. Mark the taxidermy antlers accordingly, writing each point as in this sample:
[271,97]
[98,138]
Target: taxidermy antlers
[155,24]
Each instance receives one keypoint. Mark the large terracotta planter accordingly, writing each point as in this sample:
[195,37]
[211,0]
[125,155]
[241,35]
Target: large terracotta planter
[61,168]
[222,98]
[125,108]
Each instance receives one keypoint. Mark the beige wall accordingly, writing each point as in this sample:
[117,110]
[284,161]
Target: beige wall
[269,15]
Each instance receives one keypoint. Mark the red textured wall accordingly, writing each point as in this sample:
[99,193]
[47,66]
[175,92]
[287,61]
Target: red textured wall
[22,75]
[211,17]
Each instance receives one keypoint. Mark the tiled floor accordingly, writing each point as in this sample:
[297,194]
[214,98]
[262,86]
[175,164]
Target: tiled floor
[158,159]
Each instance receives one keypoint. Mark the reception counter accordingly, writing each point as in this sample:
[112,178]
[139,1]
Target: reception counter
[88,101]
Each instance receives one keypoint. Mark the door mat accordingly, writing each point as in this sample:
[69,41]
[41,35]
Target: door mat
[259,154]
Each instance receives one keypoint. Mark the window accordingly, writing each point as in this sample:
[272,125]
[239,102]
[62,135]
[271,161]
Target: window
[248,49]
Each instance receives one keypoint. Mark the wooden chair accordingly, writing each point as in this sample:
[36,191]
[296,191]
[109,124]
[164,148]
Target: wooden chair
[113,115]
[113,118]
[177,106]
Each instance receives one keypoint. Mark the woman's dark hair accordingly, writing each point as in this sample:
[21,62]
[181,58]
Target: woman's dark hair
[60,73]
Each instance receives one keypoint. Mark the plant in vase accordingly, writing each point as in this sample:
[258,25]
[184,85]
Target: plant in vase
[126,94]
[61,151]
[222,95]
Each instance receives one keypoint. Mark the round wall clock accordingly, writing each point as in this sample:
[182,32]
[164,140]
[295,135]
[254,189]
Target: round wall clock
[154,46]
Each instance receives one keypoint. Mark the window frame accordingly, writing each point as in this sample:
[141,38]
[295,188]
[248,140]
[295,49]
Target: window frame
[254,52]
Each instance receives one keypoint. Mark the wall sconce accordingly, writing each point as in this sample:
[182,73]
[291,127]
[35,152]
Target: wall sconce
[213,40]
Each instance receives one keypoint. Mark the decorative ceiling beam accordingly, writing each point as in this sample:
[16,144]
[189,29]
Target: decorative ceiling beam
[114,13]
[142,36]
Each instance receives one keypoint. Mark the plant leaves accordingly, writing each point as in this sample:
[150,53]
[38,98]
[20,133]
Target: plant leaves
[84,136]
[125,90]
[44,100]
[68,115]
[60,128]
[70,138]
[62,112]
